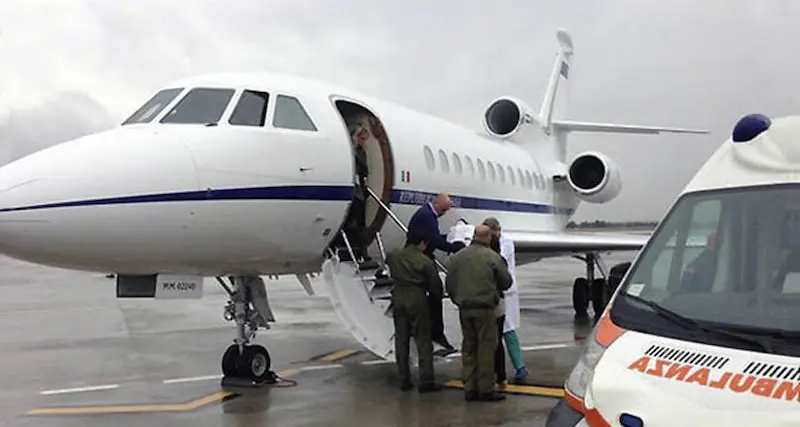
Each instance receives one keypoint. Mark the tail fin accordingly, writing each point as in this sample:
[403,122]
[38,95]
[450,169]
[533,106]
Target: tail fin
[555,98]
[554,109]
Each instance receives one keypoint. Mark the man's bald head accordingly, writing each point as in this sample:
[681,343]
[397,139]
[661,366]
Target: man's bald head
[442,203]
[493,224]
[483,235]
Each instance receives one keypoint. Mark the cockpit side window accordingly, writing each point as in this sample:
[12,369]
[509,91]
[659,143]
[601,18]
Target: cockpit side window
[153,106]
[200,106]
[290,114]
[251,110]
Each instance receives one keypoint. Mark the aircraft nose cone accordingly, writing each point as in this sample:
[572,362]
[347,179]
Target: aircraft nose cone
[60,202]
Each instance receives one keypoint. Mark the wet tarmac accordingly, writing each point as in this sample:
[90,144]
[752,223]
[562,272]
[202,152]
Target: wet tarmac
[74,355]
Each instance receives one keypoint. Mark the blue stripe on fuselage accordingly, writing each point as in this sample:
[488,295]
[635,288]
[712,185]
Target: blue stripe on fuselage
[299,192]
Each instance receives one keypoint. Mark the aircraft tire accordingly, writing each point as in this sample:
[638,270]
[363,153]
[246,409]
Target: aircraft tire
[616,274]
[600,296]
[580,297]
[229,361]
[255,363]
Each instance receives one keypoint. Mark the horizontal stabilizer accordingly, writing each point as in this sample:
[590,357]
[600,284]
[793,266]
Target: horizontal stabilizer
[560,243]
[568,126]
[554,244]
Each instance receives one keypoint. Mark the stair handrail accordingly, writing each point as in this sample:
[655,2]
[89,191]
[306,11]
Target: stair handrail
[397,221]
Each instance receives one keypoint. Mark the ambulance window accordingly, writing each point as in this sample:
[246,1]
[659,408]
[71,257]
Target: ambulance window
[251,110]
[675,258]
[290,114]
[200,106]
[153,106]
[724,259]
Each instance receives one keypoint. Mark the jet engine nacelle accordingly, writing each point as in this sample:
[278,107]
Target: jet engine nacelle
[594,177]
[505,116]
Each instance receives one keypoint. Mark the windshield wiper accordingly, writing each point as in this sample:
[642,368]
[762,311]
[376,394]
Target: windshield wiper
[784,334]
[750,338]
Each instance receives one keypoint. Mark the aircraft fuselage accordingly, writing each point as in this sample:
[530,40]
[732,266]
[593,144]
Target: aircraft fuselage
[217,199]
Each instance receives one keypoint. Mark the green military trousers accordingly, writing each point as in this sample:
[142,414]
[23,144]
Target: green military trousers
[479,330]
[412,318]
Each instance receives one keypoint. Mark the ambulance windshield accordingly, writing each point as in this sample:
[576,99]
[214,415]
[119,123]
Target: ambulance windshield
[727,260]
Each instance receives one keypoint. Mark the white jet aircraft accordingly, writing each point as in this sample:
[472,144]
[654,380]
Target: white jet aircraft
[239,176]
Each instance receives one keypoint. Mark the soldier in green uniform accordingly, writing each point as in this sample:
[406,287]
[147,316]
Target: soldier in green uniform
[414,276]
[476,276]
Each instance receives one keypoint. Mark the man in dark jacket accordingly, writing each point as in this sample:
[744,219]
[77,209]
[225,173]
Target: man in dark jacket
[426,221]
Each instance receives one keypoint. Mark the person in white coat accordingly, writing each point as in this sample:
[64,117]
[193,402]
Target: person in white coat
[512,309]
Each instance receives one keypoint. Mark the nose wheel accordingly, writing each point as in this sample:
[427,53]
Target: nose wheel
[250,361]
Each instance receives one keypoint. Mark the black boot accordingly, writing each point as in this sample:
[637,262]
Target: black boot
[491,396]
[429,387]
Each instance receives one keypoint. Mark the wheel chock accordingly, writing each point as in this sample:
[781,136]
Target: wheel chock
[243,382]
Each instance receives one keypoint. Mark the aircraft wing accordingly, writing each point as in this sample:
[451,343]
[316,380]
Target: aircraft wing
[564,243]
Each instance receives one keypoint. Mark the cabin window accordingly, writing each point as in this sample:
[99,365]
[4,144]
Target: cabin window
[470,166]
[153,106]
[290,114]
[491,171]
[501,173]
[429,160]
[481,170]
[457,164]
[251,110]
[528,180]
[443,161]
[200,106]
[511,176]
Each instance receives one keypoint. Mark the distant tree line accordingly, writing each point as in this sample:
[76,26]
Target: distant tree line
[598,223]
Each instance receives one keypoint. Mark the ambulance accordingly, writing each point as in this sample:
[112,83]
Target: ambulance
[704,329]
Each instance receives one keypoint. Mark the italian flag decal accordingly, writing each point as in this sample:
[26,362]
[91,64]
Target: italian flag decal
[405,176]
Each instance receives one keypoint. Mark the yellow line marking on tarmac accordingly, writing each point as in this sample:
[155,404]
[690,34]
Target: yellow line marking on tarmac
[117,409]
[519,389]
[165,407]
[338,355]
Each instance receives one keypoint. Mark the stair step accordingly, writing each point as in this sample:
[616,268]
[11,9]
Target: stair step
[383,282]
[369,265]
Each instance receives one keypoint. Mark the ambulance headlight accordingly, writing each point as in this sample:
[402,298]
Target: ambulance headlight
[581,375]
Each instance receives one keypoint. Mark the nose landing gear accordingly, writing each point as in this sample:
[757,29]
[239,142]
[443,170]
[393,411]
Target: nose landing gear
[244,363]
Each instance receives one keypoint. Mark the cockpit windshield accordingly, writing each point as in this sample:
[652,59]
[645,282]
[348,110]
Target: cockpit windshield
[200,106]
[722,259]
[153,106]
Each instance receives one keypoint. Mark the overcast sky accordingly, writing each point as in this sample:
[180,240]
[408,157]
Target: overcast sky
[69,67]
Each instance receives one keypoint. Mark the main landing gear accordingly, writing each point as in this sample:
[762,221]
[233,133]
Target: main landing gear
[245,363]
[590,289]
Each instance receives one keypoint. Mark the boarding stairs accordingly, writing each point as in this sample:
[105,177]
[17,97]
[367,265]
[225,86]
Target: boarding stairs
[361,291]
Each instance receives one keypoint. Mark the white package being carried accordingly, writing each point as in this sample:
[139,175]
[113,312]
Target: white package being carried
[461,232]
